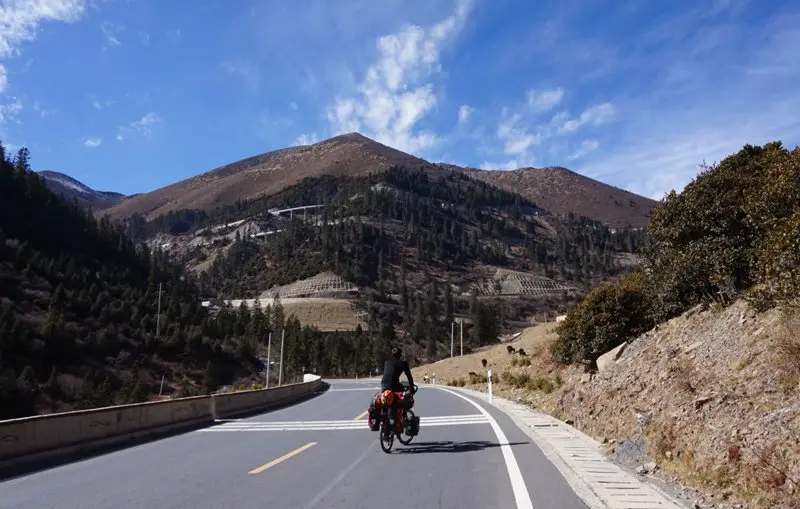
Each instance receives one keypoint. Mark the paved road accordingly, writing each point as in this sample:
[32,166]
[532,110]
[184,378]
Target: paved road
[314,455]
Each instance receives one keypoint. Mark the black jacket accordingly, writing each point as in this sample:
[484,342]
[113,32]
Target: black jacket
[391,375]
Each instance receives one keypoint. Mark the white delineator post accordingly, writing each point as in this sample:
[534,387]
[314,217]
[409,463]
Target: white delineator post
[490,386]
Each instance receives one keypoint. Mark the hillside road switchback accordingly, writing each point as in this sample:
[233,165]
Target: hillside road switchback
[315,454]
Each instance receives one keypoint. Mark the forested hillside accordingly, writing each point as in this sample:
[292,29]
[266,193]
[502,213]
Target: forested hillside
[418,242]
[78,313]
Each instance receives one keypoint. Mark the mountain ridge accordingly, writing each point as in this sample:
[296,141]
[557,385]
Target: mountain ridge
[71,188]
[557,190]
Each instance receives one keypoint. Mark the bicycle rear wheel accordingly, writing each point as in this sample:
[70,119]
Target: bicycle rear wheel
[386,437]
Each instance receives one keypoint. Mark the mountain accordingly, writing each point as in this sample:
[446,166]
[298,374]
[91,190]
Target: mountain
[556,190]
[70,189]
[345,155]
[561,191]
[416,246]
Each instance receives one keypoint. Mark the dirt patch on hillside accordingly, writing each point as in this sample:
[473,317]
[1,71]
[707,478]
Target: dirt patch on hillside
[711,398]
[324,314]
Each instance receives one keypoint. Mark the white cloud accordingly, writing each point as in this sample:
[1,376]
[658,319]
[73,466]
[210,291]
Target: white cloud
[544,100]
[19,23]
[307,139]
[584,148]
[293,105]
[596,115]
[20,19]
[111,33]
[141,127]
[464,113]
[92,142]
[98,104]
[10,111]
[394,96]
[516,137]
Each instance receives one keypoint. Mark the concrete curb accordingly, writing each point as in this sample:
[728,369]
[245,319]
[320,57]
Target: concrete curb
[599,482]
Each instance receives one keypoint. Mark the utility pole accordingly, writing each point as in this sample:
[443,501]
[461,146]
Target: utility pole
[269,345]
[280,369]
[452,327]
[158,316]
[462,335]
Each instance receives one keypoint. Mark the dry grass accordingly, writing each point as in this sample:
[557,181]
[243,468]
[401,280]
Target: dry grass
[533,340]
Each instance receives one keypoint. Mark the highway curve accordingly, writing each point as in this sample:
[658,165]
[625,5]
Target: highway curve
[316,454]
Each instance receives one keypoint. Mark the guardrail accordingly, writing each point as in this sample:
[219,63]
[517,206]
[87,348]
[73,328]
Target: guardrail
[42,436]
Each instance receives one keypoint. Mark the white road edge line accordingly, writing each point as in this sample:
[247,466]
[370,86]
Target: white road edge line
[521,495]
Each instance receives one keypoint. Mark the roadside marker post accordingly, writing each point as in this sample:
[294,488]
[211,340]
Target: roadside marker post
[490,386]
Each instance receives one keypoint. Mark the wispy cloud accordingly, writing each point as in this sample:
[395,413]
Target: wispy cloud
[111,32]
[395,94]
[306,139]
[43,112]
[141,127]
[544,100]
[92,142]
[532,133]
[10,111]
[19,23]
[464,112]
[99,104]
[585,147]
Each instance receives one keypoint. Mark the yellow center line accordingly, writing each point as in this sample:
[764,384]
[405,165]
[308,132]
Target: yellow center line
[361,416]
[282,458]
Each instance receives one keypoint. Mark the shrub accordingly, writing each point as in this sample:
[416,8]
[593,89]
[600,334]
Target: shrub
[732,229]
[477,378]
[520,361]
[543,384]
[607,316]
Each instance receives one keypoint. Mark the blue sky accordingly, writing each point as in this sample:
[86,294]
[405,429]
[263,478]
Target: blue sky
[131,95]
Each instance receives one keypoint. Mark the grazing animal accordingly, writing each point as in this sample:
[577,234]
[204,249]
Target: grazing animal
[522,353]
[511,349]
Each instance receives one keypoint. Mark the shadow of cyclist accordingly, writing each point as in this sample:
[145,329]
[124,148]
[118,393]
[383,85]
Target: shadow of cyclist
[451,447]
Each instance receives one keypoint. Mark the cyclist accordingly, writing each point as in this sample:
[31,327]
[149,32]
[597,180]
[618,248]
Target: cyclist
[394,367]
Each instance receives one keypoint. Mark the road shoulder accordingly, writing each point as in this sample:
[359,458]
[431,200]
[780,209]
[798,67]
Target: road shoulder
[599,482]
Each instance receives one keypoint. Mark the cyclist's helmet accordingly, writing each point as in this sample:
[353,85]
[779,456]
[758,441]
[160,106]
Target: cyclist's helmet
[397,352]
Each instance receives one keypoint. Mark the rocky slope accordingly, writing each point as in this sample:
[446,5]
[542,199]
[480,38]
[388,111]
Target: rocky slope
[561,191]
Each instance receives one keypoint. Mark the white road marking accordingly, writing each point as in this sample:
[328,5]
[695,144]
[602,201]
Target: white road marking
[521,495]
[374,389]
[444,420]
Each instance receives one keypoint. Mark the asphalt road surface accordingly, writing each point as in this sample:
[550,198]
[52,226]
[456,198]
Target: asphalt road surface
[316,454]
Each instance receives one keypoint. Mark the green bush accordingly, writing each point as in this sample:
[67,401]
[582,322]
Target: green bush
[477,378]
[729,233]
[733,232]
[607,316]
